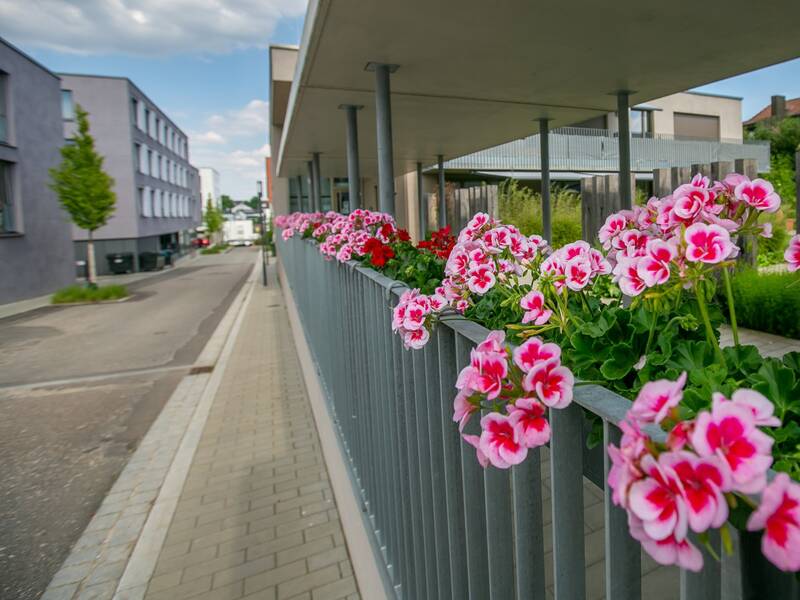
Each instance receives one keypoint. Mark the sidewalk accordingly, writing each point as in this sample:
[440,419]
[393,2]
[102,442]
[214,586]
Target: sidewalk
[253,515]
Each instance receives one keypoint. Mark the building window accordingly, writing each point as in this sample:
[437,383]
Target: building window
[4,134]
[153,163]
[697,127]
[137,157]
[157,211]
[151,124]
[67,107]
[7,216]
[641,123]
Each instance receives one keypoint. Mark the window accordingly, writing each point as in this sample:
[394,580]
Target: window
[67,107]
[157,203]
[641,123]
[160,128]
[139,114]
[153,163]
[142,204]
[699,127]
[151,124]
[4,135]
[137,157]
[7,216]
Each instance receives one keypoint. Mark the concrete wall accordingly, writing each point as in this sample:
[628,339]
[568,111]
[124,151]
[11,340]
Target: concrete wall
[39,258]
[729,111]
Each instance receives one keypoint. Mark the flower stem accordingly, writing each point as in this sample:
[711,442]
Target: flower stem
[731,309]
[651,334]
[710,337]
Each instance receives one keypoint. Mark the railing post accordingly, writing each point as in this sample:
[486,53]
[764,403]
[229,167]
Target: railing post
[707,584]
[528,531]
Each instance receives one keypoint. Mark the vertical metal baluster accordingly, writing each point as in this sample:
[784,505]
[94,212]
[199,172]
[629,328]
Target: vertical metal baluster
[566,476]
[623,553]
[413,479]
[424,472]
[438,492]
[403,381]
[451,447]
[380,420]
[499,531]
[526,483]
[707,584]
[474,500]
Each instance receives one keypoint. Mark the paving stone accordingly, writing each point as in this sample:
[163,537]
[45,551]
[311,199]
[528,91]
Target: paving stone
[335,590]
[304,551]
[275,576]
[313,579]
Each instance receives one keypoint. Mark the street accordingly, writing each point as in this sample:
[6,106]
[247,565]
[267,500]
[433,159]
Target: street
[79,387]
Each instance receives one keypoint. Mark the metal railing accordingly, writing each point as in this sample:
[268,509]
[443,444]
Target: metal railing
[445,527]
[583,149]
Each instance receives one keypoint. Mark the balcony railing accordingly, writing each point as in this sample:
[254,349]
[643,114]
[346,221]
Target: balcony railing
[597,150]
[443,526]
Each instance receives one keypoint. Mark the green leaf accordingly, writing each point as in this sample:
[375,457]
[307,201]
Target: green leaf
[621,362]
[599,327]
[777,383]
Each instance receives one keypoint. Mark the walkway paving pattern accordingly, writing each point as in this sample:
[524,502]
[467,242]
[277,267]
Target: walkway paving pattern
[256,516]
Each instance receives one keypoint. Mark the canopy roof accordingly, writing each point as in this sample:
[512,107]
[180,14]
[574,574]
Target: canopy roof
[473,74]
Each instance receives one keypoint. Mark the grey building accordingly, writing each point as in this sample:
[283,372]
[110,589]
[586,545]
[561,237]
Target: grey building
[158,206]
[36,255]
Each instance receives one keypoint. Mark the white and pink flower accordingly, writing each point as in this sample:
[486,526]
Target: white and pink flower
[792,254]
[656,399]
[778,515]
[708,243]
[759,193]
[533,303]
[501,440]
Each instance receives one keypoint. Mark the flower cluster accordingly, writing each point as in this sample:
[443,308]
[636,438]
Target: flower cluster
[515,388]
[574,266]
[487,253]
[412,317]
[792,254]
[683,233]
[671,488]
[440,244]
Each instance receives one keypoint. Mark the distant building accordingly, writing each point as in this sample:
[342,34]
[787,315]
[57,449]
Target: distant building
[148,157]
[778,108]
[36,255]
[209,187]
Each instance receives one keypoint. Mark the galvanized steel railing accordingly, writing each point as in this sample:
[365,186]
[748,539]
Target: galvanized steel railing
[445,527]
[597,150]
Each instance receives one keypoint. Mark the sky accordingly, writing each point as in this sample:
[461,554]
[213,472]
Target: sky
[205,64]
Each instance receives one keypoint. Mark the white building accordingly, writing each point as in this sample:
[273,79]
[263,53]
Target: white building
[209,186]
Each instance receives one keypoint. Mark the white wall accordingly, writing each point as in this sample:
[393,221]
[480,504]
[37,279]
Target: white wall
[729,111]
[209,185]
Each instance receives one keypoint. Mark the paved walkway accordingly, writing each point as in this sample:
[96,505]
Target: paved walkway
[250,515]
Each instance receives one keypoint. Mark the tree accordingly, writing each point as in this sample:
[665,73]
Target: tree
[213,217]
[783,136]
[84,189]
[227,203]
[254,203]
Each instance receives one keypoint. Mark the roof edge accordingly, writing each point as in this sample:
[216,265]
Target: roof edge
[28,57]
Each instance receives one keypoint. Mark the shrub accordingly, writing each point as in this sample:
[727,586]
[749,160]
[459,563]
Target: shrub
[768,302]
[522,207]
[215,249]
[79,293]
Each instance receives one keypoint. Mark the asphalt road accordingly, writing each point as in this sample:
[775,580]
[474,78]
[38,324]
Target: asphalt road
[79,388]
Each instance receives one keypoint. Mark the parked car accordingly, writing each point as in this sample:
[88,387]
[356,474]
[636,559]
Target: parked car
[200,243]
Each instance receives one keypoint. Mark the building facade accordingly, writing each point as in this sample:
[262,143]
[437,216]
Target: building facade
[148,157]
[36,254]
[209,187]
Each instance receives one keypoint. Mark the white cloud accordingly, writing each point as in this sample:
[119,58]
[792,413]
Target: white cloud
[209,137]
[144,27]
[253,117]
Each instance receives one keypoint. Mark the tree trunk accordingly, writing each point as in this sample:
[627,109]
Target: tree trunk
[91,273]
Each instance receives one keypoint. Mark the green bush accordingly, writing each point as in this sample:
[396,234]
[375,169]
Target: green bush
[768,301]
[522,207]
[215,249]
[79,293]
[770,250]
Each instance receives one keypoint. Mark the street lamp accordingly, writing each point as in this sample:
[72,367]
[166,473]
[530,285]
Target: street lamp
[264,256]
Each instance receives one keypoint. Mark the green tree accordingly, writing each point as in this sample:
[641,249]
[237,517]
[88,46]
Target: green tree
[84,189]
[783,136]
[213,218]
[227,202]
[254,203]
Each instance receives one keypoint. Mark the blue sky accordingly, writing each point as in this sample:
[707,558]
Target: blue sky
[205,63]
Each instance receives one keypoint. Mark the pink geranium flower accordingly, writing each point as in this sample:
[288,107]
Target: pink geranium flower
[668,551]
[658,500]
[533,305]
[551,382]
[613,226]
[529,415]
[759,194]
[626,274]
[654,267]
[463,408]
[578,272]
[625,461]
[708,243]
[486,373]
[792,254]
[779,515]
[761,407]
[481,279]
[501,441]
[416,339]
[475,442]
[657,398]
[729,433]
[534,351]
[702,480]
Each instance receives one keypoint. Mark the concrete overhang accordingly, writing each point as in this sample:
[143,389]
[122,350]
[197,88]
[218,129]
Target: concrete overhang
[474,74]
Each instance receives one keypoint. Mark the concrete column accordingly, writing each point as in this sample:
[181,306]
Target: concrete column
[383,114]
[544,152]
[312,194]
[441,194]
[317,187]
[423,206]
[623,117]
[353,174]
[300,205]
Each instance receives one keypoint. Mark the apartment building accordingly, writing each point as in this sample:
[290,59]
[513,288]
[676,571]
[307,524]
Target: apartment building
[36,255]
[148,157]
[209,187]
